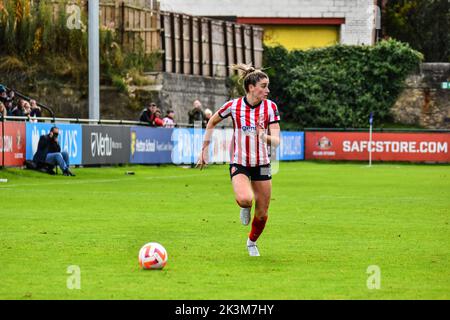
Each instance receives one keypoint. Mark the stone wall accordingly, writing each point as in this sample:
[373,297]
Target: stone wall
[423,101]
[168,90]
[68,101]
[178,92]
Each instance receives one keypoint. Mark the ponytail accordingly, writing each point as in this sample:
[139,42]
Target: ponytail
[249,74]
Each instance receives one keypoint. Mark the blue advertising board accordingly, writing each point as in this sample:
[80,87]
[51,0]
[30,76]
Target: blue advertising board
[70,139]
[292,146]
[187,143]
[151,145]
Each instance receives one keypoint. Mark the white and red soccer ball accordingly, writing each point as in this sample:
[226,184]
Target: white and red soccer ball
[152,256]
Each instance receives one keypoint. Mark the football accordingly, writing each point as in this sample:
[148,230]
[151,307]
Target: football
[152,256]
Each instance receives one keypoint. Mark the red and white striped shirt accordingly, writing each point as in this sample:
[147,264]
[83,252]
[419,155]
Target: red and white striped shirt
[246,149]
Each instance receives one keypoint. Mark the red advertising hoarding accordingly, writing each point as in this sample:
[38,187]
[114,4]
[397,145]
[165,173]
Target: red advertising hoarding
[12,144]
[412,147]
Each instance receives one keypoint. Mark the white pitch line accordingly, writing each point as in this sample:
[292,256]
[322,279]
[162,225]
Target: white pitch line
[55,183]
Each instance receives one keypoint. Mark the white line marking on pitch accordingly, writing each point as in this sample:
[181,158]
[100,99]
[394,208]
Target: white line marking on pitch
[55,183]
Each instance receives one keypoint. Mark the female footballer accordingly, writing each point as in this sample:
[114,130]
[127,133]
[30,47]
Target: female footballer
[256,128]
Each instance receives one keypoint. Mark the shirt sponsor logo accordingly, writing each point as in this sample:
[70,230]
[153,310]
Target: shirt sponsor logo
[249,130]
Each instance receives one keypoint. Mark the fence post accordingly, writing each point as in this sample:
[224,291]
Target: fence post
[200,45]
[122,23]
[243,44]
[211,63]
[163,42]
[252,46]
[191,43]
[181,22]
[225,41]
[174,53]
[235,58]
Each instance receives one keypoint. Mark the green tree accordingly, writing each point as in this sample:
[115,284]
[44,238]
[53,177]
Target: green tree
[424,24]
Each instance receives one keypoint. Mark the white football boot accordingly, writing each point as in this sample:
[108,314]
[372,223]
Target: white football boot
[252,248]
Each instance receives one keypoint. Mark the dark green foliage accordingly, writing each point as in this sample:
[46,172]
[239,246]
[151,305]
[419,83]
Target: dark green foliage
[339,86]
[424,24]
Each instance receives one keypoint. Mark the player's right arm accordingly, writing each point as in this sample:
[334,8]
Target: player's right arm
[212,123]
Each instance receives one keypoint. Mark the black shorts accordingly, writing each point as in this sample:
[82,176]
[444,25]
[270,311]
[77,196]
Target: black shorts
[258,173]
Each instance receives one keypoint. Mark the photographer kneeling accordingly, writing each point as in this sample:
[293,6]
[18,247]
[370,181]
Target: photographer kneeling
[49,153]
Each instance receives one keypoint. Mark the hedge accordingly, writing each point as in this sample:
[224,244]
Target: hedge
[339,86]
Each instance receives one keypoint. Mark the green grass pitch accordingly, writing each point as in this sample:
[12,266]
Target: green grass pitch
[328,222]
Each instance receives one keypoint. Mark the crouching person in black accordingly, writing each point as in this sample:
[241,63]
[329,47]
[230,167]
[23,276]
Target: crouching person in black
[49,153]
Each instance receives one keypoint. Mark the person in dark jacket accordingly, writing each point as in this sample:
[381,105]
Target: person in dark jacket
[196,114]
[149,114]
[49,153]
